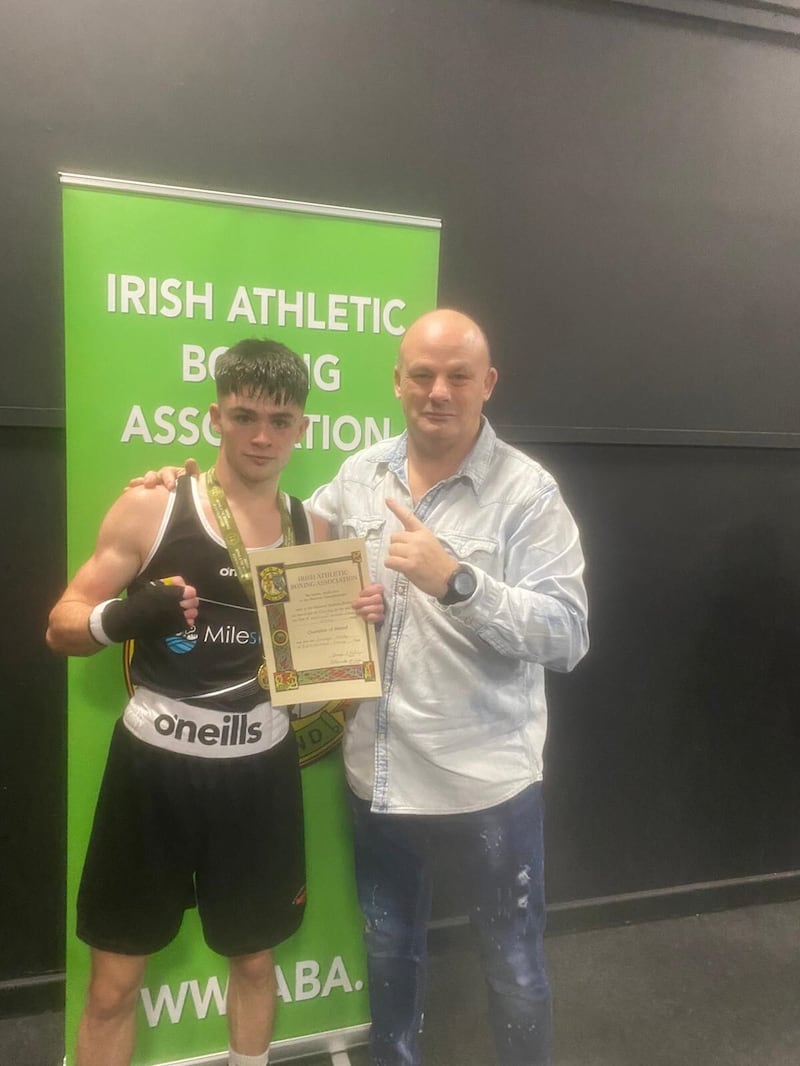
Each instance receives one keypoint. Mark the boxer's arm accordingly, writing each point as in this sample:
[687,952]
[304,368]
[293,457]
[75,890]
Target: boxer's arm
[124,539]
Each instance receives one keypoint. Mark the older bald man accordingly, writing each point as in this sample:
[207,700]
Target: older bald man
[480,566]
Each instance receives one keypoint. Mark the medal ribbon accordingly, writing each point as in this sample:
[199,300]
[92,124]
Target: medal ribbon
[232,536]
[235,544]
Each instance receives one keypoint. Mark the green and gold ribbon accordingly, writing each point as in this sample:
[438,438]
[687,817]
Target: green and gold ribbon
[235,544]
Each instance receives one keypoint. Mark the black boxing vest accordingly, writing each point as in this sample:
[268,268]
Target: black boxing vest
[213,664]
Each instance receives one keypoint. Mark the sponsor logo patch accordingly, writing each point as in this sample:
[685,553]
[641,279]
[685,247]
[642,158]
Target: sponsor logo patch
[181,643]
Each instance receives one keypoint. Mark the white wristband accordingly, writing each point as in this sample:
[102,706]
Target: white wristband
[96,623]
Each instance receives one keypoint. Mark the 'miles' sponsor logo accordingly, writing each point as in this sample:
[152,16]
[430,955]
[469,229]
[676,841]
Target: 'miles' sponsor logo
[230,634]
[181,643]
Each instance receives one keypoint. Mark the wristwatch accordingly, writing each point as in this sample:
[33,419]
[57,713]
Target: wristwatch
[460,585]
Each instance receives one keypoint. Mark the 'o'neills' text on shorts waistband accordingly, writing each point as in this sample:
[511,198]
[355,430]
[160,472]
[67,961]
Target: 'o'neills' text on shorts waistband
[208,734]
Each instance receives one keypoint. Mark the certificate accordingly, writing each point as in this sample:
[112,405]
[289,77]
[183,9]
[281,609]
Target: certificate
[315,645]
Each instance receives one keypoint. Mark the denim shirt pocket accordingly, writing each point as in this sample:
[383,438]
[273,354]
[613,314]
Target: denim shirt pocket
[480,551]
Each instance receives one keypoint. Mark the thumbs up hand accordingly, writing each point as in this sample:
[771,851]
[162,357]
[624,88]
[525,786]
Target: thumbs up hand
[418,554]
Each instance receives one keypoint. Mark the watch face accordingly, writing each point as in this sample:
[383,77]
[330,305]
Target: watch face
[464,583]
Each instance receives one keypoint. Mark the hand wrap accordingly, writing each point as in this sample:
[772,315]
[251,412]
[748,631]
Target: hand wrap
[152,611]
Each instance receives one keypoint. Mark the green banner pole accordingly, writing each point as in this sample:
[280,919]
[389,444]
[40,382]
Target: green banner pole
[158,282]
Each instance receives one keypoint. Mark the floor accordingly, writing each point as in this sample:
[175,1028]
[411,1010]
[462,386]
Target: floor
[709,990]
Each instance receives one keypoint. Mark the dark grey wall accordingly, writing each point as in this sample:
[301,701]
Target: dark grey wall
[621,210]
[32,719]
[672,757]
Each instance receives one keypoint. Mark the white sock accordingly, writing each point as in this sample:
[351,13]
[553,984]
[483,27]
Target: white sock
[235,1058]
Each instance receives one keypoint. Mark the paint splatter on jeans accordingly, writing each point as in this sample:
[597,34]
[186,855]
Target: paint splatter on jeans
[502,853]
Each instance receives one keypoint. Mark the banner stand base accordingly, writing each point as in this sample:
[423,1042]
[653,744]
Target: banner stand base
[335,1042]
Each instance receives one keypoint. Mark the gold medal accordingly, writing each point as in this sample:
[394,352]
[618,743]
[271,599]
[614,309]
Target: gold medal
[263,677]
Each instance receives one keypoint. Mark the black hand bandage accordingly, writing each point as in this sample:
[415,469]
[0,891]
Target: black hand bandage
[153,611]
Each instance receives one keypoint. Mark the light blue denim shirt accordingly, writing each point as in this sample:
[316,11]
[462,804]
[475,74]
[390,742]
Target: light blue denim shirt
[462,722]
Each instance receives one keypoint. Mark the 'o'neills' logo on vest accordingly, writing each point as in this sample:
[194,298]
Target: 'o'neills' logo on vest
[234,730]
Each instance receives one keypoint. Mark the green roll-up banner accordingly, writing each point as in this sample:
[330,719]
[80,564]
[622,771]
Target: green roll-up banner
[159,281]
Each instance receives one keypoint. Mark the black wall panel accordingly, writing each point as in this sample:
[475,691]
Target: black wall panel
[673,750]
[618,191]
[621,211]
[32,720]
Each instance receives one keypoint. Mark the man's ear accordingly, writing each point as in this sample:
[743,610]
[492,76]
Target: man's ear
[490,382]
[397,382]
[301,431]
[214,415]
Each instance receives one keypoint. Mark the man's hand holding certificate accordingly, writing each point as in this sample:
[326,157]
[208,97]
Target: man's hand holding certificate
[316,647]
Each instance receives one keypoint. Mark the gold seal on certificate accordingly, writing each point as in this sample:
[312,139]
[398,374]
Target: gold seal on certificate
[315,645]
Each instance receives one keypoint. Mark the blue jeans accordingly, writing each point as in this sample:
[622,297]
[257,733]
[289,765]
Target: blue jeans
[502,853]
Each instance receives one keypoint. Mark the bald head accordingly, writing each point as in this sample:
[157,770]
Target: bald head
[443,378]
[446,330]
